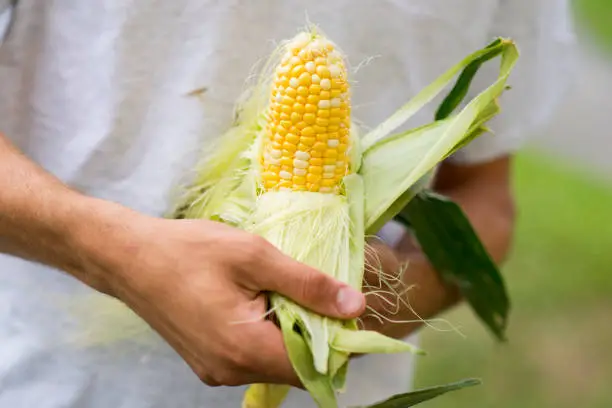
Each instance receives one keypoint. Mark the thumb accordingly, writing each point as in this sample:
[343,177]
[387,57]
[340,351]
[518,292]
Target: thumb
[310,287]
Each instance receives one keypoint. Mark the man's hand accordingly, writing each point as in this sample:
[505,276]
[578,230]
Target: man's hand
[199,284]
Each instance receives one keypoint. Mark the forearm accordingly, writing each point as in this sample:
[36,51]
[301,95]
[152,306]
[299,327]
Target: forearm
[41,219]
[486,199]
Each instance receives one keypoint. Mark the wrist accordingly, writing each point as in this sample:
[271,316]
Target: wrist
[101,237]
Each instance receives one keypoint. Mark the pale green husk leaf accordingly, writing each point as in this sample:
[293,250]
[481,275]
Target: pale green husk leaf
[393,165]
[367,341]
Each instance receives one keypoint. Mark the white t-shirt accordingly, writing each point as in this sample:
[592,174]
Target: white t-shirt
[95,92]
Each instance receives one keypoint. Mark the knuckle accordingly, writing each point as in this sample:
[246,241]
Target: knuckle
[221,377]
[252,248]
[227,378]
[313,286]
[208,379]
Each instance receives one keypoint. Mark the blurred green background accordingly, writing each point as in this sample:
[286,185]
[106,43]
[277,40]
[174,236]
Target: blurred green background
[559,352]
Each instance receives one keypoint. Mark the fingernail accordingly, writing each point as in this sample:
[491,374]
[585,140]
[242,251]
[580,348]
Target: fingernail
[349,301]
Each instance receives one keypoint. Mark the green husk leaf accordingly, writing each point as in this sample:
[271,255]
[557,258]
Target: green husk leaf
[317,384]
[370,342]
[393,165]
[386,171]
[265,395]
[462,85]
[353,185]
[411,399]
[437,223]
[432,90]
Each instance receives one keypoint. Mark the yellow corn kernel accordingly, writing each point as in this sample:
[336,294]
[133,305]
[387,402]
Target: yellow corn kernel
[291,92]
[319,146]
[308,141]
[299,180]
[269,175]
[322,122]
[292,138]
[290,146]
[315,89]
[312,187]
[308,131]
[312,178]
[328,183]
[310,118]
[298,107]
[304,79]
[314,99]
[315,161]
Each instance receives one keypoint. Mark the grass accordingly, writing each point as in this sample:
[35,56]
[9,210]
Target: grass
[559,278]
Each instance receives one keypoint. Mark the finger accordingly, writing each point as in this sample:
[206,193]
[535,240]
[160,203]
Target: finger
[271,358]
[309,287]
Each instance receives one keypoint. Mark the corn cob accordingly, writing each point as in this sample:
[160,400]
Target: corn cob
[307,134]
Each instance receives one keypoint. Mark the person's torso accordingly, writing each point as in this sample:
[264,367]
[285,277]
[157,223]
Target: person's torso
[97,92]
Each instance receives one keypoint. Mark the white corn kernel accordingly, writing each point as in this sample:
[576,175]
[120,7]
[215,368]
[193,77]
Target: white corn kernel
[329,168]
[324,104]
[302,155]
[284,175]
[333,142]
[335,71]
[325,84]
[300,172]
[310,67]
[300,164]
[335,102]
